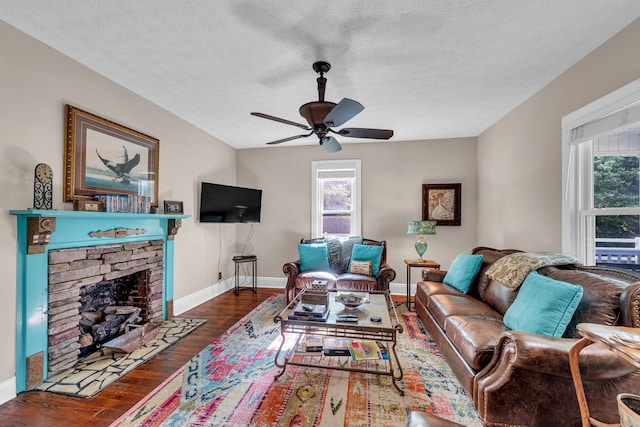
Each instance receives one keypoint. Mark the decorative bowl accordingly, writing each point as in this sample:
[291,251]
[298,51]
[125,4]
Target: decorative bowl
[350,300]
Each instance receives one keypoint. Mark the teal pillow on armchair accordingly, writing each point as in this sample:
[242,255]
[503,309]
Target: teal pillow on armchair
[371,253]
[313,257]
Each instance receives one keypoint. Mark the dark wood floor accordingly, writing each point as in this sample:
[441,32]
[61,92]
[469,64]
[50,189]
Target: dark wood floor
[37,408]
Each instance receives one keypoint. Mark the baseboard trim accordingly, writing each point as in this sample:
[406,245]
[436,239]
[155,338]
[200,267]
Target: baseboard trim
[7,390]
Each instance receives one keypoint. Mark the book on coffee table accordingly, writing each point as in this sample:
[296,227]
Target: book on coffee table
[336,347]
[363,350]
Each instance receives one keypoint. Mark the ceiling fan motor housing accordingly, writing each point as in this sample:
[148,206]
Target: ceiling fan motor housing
[315,112]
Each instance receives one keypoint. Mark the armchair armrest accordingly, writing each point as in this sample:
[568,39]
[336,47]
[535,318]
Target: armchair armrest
[385,275]
[291,270]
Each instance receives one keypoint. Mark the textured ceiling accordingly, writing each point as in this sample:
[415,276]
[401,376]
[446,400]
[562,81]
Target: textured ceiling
[424,68]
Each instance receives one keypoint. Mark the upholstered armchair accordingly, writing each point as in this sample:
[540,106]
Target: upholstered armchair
[338,275]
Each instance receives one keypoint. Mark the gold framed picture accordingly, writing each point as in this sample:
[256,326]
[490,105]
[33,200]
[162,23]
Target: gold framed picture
[103,157]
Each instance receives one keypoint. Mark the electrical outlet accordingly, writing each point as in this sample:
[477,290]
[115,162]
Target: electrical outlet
[219,275]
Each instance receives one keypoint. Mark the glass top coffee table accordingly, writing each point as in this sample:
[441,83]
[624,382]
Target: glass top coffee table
[383,331]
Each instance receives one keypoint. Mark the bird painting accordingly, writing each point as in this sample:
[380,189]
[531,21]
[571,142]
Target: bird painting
[122,170]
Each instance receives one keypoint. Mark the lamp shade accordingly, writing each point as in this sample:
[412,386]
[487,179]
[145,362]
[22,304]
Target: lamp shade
[421,227]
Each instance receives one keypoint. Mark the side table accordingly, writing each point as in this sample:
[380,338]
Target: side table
[592,333]
[421,263]
[237,260]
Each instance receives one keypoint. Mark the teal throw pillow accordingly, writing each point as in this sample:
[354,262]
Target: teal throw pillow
[463,270]
[543,306]
[313,257]
[371,253]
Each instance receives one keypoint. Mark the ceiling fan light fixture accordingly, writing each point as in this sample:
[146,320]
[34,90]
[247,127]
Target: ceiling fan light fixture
[330,144]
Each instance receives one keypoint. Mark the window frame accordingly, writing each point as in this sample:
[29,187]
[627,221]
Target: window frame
[578,213]
[350,167]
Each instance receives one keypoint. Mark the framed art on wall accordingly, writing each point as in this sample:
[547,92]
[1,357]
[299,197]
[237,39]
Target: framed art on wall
[103,157]
[441,203]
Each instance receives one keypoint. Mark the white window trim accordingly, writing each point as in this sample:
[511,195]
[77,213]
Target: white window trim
[318,166]
[578,215]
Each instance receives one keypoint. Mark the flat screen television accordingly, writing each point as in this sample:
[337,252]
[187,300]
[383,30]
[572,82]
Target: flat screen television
[226,203]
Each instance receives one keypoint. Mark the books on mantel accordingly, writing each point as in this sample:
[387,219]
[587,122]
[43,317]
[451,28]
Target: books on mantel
[313,312]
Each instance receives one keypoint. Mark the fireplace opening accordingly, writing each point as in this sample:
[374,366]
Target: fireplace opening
[109,308]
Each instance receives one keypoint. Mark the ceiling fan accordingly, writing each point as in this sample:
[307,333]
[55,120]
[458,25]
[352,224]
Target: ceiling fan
[322,116]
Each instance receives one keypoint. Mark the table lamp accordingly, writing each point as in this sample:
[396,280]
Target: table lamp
[420,228]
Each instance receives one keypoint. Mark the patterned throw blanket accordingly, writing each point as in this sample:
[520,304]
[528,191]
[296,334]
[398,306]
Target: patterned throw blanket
[511,270]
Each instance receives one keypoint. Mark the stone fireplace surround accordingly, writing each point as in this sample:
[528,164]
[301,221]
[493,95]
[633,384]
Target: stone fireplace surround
[71,270]
[40,232]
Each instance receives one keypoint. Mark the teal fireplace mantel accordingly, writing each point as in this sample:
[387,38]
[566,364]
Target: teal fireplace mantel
[38,232]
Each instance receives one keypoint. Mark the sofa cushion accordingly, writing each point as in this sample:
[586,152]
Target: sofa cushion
[313,257]
[463,270]
[442,306]
[356,282]
[543,306]
[425,290]
[475,337]
[368,253]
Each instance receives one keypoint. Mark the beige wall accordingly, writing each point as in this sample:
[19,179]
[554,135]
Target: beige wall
[392,178]
[35,84]
[519,157]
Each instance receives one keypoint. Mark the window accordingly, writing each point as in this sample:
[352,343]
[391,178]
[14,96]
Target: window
[601,203]
[335,198]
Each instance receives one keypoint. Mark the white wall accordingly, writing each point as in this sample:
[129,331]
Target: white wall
[35,84]
[519,158]
[392,178]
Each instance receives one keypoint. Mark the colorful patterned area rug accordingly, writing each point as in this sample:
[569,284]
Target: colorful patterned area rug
[102,368]
[231,383]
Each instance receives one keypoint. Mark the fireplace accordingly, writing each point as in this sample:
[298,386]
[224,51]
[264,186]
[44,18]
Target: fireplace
[96,293]
[124,260]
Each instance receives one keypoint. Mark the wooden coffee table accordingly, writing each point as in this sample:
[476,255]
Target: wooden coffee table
[384,332]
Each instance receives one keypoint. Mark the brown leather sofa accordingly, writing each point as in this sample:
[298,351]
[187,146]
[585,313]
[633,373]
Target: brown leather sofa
[338,277]
[523,379]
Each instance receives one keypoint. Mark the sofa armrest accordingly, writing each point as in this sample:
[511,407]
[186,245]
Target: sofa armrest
[385,275]
[432,275]
[550,356]
[630,306]
[526,365]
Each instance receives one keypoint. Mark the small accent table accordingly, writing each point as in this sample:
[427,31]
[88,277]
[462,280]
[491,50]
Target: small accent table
[254,271]
[592,333]
[422,263]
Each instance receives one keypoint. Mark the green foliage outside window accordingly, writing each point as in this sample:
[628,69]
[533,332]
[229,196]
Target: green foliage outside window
[616,184]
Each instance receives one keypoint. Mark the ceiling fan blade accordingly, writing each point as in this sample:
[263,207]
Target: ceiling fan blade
[278,119]
[291,138]
[330,144]
[366,133]
[343,112]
